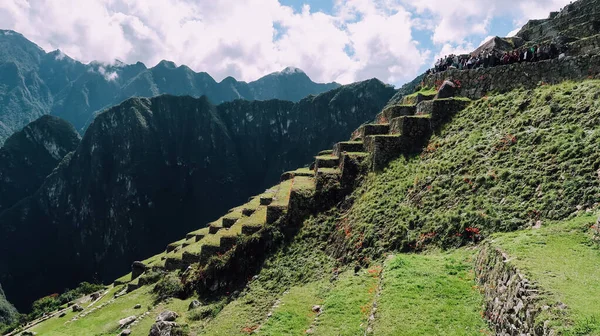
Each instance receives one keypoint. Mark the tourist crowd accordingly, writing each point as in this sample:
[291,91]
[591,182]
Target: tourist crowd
[489,59]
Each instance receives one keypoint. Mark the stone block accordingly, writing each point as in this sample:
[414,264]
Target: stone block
[383,149]
[274,212]
[137,268]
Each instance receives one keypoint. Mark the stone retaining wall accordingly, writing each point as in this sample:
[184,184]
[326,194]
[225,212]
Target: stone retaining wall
[511,300]
[477,83]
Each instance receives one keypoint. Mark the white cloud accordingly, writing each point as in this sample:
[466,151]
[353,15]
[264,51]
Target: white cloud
[247,39]
[227,37]
[456,20]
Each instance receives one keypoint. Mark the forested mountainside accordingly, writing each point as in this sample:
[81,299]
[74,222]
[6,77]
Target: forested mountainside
[30,155]
[34,83]
[149,170]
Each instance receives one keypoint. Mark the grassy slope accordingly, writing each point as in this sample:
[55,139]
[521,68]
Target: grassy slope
[430,294]
[505,162]
[563,259]
[104,321]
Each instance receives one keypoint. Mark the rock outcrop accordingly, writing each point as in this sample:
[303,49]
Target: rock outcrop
[150,170]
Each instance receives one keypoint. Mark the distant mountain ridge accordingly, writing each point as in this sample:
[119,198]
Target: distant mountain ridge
[34,83]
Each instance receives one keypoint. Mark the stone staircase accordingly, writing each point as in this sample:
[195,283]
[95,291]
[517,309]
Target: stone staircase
[398,130]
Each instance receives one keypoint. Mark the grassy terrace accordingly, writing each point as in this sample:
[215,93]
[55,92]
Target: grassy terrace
[304,183]
[294,314]
[328,171]
[347,307]
[124,279]
[203,232]
[563,259]
[424,92]
[304,171]
[257,219]
[282,193]
[430,294]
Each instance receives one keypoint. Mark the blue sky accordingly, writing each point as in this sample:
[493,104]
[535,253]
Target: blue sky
[337,40]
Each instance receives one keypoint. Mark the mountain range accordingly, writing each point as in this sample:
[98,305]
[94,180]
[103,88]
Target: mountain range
[34,83]
[152,169]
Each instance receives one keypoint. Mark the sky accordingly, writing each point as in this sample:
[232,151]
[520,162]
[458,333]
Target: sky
[331,40]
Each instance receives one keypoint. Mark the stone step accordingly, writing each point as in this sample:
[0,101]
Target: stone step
[173,262]
[248,212]
[351,166]
[229,220]
[441,110]
[198,234]
[412,126]
[188,242]
[326,161]
[307,172]
[347,146]
[415,99]
[326,152]
[383,149]
[278,207]
[175,245]
[266,200]
[395,111]
[247,225]
[370,129]
[214,227]
[133,285]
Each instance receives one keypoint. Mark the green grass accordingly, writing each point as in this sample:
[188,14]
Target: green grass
[327,157]
[154,259]
[501,164]
[303,172]
[329,171]
[430,294]
[203,231]
[294,314]
[242,315]
[348,306]
[124,279]
[104,321]
[257,219]
[423,91]
[304,183]
[563,260]
[176,305]
[282,194]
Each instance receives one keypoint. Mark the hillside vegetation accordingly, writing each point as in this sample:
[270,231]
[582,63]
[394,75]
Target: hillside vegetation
[506,162]
[524,162]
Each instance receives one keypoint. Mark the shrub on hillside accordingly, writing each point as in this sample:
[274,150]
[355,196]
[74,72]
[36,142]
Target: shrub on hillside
[168,287]
[55,301]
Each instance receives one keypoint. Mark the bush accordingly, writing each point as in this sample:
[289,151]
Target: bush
[168,287]
[44,305]
[150,277]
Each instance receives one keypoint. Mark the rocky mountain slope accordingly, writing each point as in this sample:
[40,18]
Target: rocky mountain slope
[149,170]
[30,155]
[34,83]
